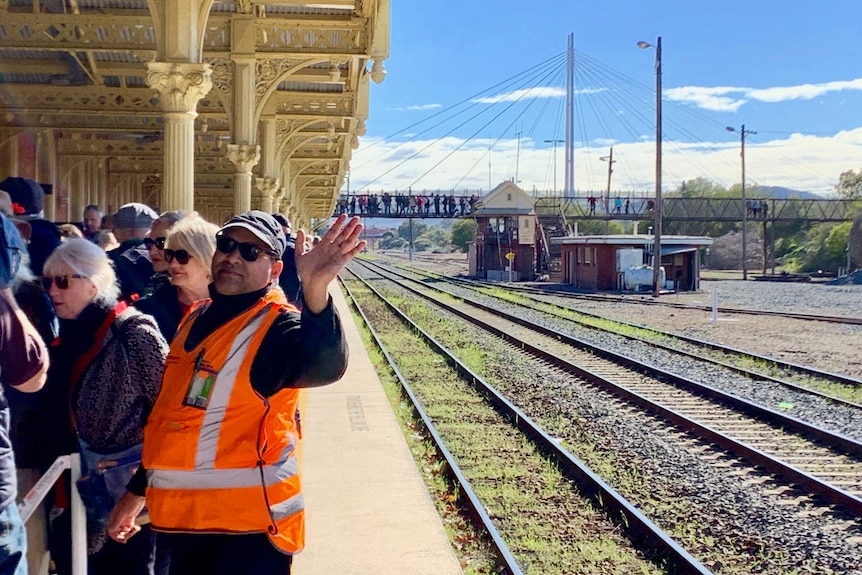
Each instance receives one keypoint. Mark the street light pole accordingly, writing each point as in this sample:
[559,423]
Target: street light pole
[742,133]
[656,258]
[555,142]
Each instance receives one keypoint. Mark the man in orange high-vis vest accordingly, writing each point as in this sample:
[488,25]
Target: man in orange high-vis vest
[219,476]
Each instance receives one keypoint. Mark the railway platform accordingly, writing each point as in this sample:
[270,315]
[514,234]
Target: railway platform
[367,509]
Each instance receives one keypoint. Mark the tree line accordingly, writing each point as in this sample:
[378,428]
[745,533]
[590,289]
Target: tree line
[800,247]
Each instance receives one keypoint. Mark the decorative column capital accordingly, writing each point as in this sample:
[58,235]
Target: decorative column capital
[243,156]
[180,86]
[268,187]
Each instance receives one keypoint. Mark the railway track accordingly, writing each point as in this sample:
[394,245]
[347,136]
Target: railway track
[660,546]
[799,377]
[833,462]
[644,300]
[809,460]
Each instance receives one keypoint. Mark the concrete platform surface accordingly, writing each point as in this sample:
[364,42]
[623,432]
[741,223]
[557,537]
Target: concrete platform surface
[367,509]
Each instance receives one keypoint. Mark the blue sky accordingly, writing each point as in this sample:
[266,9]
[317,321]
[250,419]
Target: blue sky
[791,70]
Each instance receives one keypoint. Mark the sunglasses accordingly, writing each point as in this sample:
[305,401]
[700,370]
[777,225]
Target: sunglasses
[158,242]
[61,281]
[182,256]
[248,252]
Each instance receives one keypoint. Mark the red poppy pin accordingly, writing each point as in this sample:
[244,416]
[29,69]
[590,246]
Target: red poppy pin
[18,208]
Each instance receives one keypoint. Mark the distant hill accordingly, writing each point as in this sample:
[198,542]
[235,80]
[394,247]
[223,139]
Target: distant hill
[780,193]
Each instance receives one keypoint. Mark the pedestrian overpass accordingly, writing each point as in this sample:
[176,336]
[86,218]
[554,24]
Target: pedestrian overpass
[569,210]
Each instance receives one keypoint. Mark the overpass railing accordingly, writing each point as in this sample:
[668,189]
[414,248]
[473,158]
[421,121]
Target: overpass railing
[704,209]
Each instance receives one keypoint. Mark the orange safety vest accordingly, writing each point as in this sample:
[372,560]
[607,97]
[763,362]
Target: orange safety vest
[231,466]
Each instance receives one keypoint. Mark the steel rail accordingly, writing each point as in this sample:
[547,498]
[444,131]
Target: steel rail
[815,485]
[474,506]
[602,494]
[779,363]
[851,320]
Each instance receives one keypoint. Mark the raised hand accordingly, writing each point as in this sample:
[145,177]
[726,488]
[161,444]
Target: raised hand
[319,266]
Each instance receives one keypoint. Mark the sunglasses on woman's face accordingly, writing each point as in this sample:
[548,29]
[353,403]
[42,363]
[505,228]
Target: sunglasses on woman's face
[61,281]
[158,242]
[248,252]
[182,256]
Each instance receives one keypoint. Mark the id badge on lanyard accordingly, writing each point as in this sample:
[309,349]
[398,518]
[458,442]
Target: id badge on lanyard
[201,385]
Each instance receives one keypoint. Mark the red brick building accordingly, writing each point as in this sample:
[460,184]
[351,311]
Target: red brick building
[607,262]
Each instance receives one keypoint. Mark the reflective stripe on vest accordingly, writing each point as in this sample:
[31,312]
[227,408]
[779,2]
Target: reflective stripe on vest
[222,391]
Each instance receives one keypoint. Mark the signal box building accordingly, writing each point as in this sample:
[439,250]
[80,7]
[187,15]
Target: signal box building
[618,262]
[506,235]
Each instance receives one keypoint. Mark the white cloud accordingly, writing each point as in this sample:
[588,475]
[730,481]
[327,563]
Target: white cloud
[416,107]
[802,162]
[730,99]
[803,91]
[537,92]
[715,99]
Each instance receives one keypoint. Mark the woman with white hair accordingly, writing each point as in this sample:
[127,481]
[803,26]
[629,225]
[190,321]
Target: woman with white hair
[105,374]
[188,251]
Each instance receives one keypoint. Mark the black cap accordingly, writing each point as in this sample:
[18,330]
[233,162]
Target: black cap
[263,226]
[28,197]
[134,215]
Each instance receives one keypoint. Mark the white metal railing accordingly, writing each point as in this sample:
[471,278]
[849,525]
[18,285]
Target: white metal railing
[37,494]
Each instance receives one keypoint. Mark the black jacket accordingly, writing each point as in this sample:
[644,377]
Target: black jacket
[164,305]
[133,266]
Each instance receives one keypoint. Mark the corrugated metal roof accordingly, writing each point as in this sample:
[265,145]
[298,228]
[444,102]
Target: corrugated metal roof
[114,4]
[127,57]
[334,88]
[314,9]
[6,54]
[28,78]
[222,7]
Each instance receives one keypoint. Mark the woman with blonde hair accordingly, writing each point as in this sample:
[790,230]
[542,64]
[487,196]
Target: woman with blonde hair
[188,250]
[105,375]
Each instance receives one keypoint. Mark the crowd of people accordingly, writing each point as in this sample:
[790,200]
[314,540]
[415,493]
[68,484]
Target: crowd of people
[436,205]
[621,206]
[169,353]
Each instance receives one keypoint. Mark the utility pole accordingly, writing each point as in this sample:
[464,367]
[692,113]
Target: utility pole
[656,258]
[610,160]
[742,133]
